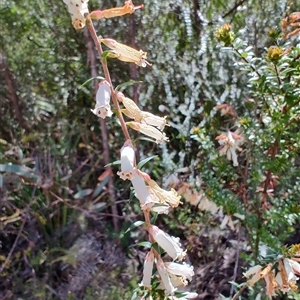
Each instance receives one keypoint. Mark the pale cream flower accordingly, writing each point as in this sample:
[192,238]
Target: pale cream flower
[164,276]
[170,197]
[151,119]
[148,269]
[126,53]
[169,243]
[230,142]
[127,161]
[149,131]
[141,190]
[77,9]
[132,110]
[183,270]
[207,205]
[254,274]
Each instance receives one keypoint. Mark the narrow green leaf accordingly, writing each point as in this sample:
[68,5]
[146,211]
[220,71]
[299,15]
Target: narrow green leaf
[108,53]
[93,78]
[145,244]
[123,86]
[100,186]
[134,225]
[21,171]
[144,161]
[114,163]
[83,193]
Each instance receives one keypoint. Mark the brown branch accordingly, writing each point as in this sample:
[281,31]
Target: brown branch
[233,9]
[11,86]
[104,135]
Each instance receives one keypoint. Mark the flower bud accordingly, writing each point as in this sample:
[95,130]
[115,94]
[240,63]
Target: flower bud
[225,35]
[128,8]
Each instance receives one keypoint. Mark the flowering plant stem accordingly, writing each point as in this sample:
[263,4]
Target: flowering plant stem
[93,33]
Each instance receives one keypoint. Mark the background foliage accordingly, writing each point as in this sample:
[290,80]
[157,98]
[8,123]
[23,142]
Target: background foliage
[55,210]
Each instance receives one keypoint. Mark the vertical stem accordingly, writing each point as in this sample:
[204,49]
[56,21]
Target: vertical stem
[104,135]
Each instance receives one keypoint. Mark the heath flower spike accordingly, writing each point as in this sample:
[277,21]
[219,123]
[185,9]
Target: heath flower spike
[126,53]
[149,131]
[128,8]
[127,161]
[77,8]
[169,243]
[102,108]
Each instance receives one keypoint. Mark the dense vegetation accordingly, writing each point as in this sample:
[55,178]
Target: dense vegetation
[64,217]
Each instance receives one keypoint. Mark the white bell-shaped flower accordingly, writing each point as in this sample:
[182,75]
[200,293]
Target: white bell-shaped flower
[127,161]
[169,243]
[148,269]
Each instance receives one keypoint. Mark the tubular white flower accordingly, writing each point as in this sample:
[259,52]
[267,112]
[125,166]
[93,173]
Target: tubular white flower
[169,243]
[171,197]
[127,161]
[141,190]
[291,268]
[77,8]
[151,119]
[148,269]
[102,108]
[295,266]
[162,271]
[184,270]
[149,130]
